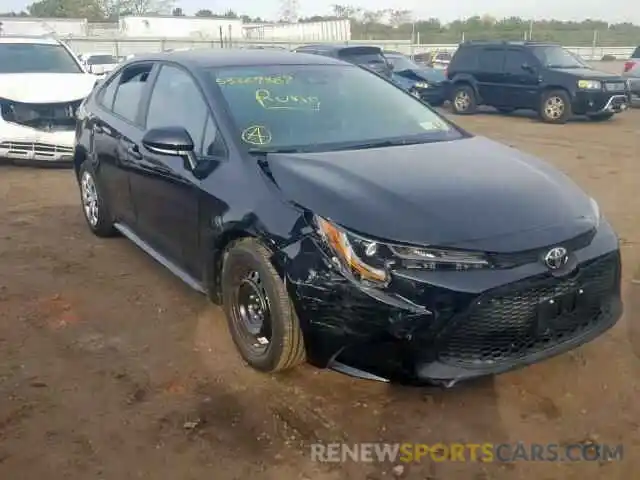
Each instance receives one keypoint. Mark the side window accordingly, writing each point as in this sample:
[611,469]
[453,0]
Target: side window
[129,92]
[465,59]
[187,109]
[108,94]
[491,60]
[514,60]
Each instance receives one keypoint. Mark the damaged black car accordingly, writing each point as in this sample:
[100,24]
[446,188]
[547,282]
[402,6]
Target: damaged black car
[340,220]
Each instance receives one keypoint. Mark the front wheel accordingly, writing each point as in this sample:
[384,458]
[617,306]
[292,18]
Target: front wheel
[601,117]
[555,107]
[261,319]
[464,100]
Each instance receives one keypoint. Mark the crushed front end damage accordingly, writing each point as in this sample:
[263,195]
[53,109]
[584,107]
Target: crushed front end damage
[445,327]
[37,131]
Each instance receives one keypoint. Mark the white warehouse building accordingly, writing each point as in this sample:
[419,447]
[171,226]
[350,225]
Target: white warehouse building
[328,31]
[64,27]
[181,27]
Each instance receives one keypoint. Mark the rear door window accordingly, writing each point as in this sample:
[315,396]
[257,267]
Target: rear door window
[129,92]
[491,60]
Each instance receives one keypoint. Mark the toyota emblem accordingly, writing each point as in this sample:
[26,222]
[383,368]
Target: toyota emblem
[556,258]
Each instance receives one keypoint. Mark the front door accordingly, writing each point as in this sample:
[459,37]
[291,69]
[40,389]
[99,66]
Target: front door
[521,79]
[166,192]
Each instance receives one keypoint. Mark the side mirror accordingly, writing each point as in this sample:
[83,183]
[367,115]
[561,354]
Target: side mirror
[171,141]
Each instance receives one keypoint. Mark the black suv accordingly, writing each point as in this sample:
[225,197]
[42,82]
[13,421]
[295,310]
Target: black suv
[367,56]
[528,75]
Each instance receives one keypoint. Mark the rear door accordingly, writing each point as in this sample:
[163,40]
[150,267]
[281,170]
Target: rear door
[116,129]
[490,74]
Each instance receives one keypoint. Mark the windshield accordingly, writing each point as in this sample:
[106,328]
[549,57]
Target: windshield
[558,57]
[400,63]
[101,60]
[324,107]
[36,58]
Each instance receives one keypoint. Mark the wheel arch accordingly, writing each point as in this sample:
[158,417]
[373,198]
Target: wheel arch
[217,252]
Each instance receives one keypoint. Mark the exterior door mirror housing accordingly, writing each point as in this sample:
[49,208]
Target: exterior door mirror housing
[171,141]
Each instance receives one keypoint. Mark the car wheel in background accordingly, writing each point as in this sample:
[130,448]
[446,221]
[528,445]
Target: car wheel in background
[555,107]
[261,318]
[94,205]
[463,100]
[601,117]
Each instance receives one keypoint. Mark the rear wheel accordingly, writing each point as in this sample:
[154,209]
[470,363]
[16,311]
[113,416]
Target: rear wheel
[94,205]
[261,319]
[601,117]
[464,100]
[555,107]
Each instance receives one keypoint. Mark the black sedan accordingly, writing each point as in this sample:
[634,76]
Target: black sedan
[426,83]
[338,219]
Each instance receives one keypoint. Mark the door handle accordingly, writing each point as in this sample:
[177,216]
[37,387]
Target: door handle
[134,152]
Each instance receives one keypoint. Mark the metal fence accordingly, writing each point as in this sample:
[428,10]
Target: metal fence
[122,46]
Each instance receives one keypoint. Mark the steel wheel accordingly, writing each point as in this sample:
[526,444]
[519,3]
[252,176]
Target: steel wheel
[252,313]
[554,107]
[90,199]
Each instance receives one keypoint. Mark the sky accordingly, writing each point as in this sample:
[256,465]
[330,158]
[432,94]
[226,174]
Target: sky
[613,11]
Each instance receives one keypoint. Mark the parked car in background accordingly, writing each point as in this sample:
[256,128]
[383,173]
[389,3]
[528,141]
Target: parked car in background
[440,60]
[99,63]
[339,220]
[426,83]
[42,83]
[632,74]
[535,76]
[366,56]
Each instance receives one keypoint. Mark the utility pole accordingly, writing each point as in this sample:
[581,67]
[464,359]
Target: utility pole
[531,30]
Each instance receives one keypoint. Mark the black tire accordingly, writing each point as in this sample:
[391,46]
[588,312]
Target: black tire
[102,224]
[601,117]
[285,347]
[506,110]
[463,100]
[555,107]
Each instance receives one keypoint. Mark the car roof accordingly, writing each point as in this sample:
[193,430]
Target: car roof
[211,58]
[35,39]
[335,47]
[493,43]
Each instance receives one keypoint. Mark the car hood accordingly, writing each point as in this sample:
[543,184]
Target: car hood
[589,73]
[420,76]
[45,87]
[471,193]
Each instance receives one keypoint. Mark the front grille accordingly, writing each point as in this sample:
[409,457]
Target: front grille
[530,316]
[615,87]
[35,150]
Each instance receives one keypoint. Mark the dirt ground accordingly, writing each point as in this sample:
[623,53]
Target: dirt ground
[111,368]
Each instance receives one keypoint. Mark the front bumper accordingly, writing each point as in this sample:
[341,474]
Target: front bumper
[444,327]
[589,103]
[28,144]
[434,95]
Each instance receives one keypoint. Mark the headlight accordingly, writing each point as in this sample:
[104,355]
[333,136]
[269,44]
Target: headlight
[371,261]
[596,210]
[421,85]
[589,84]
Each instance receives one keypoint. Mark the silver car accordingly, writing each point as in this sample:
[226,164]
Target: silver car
[632,74]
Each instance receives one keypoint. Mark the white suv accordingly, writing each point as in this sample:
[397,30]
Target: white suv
[42,83]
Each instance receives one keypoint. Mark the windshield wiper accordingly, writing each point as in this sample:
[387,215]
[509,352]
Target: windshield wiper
[382,144]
